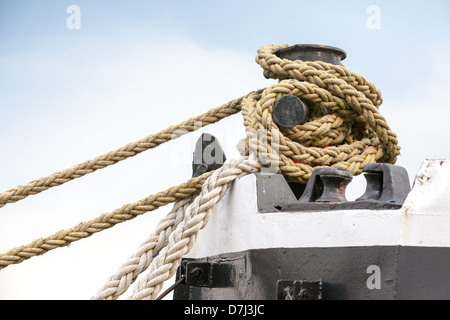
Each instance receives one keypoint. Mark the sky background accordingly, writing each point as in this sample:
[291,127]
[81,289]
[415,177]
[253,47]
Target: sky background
[136,67]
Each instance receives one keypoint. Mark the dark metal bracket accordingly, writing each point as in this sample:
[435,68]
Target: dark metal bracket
[387,188]
[208,155]
[210,274]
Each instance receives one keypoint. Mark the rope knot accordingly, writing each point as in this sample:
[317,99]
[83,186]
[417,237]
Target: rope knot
[344,130]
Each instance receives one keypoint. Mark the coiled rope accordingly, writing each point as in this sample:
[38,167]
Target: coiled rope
[345,130]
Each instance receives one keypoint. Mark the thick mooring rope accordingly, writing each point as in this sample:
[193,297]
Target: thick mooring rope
[196,217]
[105,221]
[127,151]
[118,283]
[174,236]
[345,130]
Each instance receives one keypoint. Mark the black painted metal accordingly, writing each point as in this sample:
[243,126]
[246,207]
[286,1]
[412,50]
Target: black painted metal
[327,185]
[289,111]
[344,272]
[208,155]
[209,274]
[227,277]
[387,188]
[386,183]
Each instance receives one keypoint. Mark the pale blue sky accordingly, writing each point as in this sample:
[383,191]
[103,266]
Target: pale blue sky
[136,67]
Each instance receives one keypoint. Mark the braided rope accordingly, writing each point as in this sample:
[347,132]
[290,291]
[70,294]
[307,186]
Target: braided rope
[196,217]
[129,150]
[105,221]
[118,283]
[345,129]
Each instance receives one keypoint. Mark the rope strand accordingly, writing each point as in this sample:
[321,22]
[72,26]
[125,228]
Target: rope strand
[141,260]
[105,221]
[196,216]
[129,150]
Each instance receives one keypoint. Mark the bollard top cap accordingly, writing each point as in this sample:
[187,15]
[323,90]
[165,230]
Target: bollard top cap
[312,52]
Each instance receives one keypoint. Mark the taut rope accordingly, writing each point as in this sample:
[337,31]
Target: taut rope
[105,221]
[129,150]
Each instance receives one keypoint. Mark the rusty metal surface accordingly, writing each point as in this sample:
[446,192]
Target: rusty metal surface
[289,111]
[312,52]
